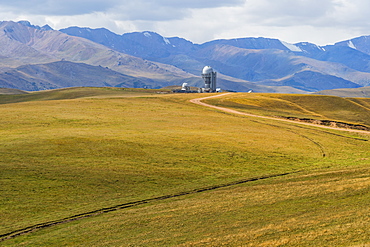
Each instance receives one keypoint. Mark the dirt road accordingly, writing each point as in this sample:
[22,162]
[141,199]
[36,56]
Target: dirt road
[198,101]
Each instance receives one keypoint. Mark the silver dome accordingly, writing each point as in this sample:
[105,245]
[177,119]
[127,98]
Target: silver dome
[207,70]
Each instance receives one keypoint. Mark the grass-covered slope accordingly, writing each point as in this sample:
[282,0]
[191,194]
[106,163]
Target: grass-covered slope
[70,156]
[74,93]
[11,91]
[319,209]
[350,110]
[347,92]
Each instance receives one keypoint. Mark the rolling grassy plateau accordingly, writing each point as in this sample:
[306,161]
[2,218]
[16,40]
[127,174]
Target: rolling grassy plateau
[73,151]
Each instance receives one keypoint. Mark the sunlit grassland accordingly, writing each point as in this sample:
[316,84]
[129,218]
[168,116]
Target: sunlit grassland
[322,208]
[73,93]
[350,110]
[64,157]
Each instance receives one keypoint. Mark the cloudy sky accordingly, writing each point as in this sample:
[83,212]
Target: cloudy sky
[318,21]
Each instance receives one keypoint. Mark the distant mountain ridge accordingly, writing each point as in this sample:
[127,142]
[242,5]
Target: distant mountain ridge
[258,60]
[24,44]
[147,59]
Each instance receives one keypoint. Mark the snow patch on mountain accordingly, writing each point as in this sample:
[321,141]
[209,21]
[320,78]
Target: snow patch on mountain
[351,45]
[305,45]
[148,35]
[166,41]
[291,46]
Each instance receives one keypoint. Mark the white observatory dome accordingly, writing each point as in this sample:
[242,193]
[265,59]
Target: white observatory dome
[207,70]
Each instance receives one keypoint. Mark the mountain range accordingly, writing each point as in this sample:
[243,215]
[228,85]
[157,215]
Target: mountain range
[35,58]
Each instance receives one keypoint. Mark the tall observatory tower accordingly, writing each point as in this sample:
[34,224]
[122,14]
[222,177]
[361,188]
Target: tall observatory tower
[209,77]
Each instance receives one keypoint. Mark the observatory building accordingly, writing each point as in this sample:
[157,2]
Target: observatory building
[209,77]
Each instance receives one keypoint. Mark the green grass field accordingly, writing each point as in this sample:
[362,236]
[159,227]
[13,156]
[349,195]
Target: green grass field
[72,151]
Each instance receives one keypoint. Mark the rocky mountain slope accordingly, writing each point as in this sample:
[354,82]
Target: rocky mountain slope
[263,61]
[63,74]
[24,44]
[147,59]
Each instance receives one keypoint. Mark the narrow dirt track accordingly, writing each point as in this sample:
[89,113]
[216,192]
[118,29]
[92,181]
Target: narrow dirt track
[198,101]
[33,228]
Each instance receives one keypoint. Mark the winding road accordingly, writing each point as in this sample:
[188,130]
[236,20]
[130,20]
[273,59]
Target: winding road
[198,101]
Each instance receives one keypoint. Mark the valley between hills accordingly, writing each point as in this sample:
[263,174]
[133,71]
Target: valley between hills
[140,167]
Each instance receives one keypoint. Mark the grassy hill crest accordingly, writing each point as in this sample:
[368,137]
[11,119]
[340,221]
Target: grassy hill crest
[363,92]
[314,107]
[11,91]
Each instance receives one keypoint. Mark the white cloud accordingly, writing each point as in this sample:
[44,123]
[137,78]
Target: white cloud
[56,7]
[133,8]
[317,21]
